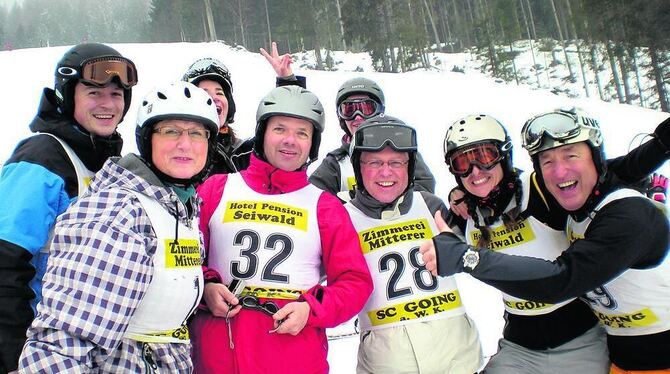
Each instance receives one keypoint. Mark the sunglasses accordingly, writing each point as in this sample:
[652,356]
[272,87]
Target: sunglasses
[375,137]
[483,155]
[252,302]
[366,108]
[100,71]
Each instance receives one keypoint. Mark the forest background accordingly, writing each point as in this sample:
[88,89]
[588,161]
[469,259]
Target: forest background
[616,50]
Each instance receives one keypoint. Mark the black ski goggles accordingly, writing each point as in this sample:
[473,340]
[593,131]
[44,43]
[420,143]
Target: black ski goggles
[252,302]
[101,70]
[483,155]
[375,137]
[366,108]
[205,67]
[559,126]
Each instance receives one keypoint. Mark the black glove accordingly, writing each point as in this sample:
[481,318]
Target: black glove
[662,133]
[657,188]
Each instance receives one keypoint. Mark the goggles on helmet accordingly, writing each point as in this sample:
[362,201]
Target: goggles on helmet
[100,71]
[366,108]
[483,155]
[206,66]
[376,137]
[559,126]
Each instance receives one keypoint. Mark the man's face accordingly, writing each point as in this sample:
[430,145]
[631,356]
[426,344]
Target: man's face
[384,174]
[98,109]
[287,142]
[215,91]
[179,156]
[569,174]
[353,124]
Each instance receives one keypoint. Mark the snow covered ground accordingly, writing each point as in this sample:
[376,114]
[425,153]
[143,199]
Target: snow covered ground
[428,100]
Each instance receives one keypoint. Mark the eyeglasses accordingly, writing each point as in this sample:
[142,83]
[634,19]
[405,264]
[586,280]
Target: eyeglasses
[100,71]
[200,135]
[377,164]
[366,108]
[560,126]
[401,138]
[252,302]
[484,155]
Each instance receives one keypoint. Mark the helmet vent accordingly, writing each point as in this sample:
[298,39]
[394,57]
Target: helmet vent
[144,103]
[209,101]
[187,92]
[161,95]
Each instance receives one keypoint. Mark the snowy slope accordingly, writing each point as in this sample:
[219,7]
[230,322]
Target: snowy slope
[428,100]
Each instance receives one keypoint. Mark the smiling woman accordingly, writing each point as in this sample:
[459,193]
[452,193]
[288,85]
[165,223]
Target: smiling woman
[140,215]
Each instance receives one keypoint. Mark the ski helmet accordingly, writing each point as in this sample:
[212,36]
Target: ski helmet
[215,70]
[362,86]
[182,101]
[79,64]
[562,127]
[474,130]
[377,133]
[291,101]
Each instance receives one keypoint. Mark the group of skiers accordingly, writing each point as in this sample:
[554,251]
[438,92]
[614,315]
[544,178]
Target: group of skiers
[208,253]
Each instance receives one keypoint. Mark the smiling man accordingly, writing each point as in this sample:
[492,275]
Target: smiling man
[617,258]
[76,132]
[408,304]
[270,228]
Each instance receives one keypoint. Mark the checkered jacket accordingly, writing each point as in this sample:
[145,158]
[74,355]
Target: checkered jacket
[99,269]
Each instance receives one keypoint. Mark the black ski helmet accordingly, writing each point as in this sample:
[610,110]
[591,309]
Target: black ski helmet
[375,134]
[477,129]
[69,70]
[179,100]
[358,86]
[291,101]
[215,70]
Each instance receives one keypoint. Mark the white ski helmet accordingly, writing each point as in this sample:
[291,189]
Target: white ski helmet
[290,101]
[476,129]
[178,100]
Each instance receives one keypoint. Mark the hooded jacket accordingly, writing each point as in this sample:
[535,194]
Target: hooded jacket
[101,265]
[348,287]
[37,184]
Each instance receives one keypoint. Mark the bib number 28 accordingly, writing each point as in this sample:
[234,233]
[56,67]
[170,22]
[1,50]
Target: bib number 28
[422,277]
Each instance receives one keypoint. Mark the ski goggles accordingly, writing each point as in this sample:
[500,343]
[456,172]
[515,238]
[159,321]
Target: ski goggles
[375,137]
[483,155]
[366,108]
[252,302]
[100,71]
[559,126]
[206,67]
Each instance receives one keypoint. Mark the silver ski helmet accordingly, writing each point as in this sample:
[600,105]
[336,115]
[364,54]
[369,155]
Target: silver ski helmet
[90,63]
[359,85]
[377,133]
[474,130]
[181,101]
[215,70]
[290,101]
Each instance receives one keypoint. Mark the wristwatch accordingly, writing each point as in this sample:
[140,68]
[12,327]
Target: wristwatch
[470,259]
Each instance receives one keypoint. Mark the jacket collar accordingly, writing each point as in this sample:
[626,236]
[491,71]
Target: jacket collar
[91,149]
[265,178]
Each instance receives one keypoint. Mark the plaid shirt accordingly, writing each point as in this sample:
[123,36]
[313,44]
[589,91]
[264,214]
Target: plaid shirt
[99,269]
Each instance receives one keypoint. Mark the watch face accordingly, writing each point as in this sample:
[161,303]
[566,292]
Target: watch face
[470,259]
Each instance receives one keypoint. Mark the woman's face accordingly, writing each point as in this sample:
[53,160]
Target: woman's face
[179,148]
[480,182]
